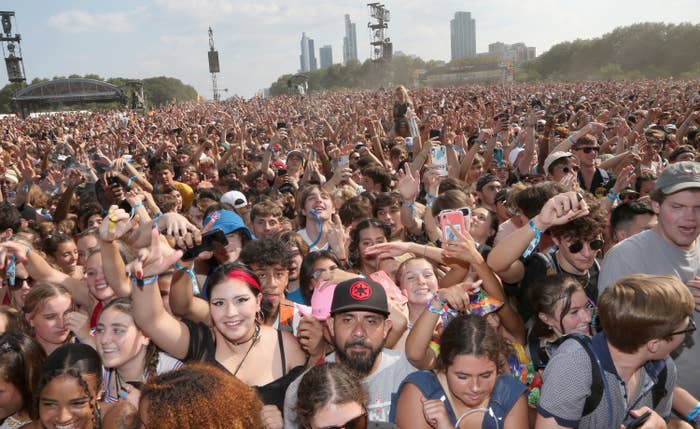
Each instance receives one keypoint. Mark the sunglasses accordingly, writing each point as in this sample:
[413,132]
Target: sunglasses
[359,422]
[595,245]
[567,169]
[691,328]
[589,149]
[19,282]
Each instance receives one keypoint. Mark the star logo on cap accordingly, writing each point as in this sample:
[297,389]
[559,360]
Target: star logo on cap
[360,291]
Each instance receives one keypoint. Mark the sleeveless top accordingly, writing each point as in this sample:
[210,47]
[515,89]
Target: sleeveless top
[505,394]
[202,347]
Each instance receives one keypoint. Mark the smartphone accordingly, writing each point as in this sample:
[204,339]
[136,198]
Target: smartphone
[434,133]
[454,220]
[344,161]
[498,156]
[439,158]
[639,421]
[281,125]
[210,241]
[114,181]
[282,172]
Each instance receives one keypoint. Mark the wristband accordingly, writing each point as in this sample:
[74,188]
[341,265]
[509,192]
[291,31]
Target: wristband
[535,241]
[189,272]
[144,281]
[430,196]
[157,215]
[571,140]
[434,310]
[613,196]
[128,183]
[133,209]
[693,415]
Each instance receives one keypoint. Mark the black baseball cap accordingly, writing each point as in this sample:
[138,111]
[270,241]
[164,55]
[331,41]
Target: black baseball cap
[359,294]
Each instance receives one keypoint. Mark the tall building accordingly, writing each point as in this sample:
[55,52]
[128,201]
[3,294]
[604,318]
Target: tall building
[326,55]
[312,55]
[463,35]
[349,41]
[307,59]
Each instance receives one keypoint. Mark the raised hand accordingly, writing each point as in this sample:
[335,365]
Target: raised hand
[116,224]
[560,209]
[407,184]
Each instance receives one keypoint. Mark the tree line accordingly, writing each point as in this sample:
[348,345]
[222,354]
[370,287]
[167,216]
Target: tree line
[156,90]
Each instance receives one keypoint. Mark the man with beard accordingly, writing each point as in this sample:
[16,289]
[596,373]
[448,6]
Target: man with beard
[270,260]
[358,326]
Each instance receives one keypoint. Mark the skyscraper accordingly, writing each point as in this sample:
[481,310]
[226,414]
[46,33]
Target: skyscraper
[349,41]
[326,54]
[312,55]
[307,59]
[463,35]
[304,57]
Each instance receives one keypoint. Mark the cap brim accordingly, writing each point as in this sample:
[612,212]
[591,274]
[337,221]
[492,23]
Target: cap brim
[347,308]
[680,187]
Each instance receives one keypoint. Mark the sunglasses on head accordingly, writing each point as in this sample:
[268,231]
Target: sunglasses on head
[595,245]
[359,422]
[589,149]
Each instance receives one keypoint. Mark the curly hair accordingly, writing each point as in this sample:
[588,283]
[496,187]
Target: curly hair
[471,335]
[328,384]
[21,359]
[266,252]
[586,227]
[198,396]
[76,361]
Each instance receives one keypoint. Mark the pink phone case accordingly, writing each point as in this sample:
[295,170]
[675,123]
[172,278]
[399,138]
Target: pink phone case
[451,222]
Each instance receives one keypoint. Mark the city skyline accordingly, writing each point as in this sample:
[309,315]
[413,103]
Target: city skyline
[325,53]
[349,40]
[258,41]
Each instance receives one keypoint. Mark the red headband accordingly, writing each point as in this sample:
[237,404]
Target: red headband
[238,274]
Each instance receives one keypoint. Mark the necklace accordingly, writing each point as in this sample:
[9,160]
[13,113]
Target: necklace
[256,333]
[255,337]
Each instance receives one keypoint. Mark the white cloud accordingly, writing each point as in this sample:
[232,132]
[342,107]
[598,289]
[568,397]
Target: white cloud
[81,21]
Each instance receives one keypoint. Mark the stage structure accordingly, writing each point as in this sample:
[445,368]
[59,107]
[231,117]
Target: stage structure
[11,49]
[381,46]
[213,65]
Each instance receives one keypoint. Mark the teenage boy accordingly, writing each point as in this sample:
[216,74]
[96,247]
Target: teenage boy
[624,371]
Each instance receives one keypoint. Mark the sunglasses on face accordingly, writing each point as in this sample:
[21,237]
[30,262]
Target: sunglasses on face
[568,169]
[595,245]
[19,282]
[359,422]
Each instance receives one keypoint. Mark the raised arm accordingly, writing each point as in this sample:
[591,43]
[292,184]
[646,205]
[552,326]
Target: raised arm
[168,333]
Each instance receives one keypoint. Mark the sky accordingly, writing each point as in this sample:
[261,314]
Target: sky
[258,40]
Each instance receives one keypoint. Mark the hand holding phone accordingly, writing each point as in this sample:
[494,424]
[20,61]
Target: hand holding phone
[454,220]
[639,421]
[210,241]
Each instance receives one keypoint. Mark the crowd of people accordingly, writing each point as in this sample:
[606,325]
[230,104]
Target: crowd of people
[504,256]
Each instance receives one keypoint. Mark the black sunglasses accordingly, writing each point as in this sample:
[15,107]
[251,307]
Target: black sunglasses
[595,245]
[691,328]
[19,282]
[359,422]
[568,169]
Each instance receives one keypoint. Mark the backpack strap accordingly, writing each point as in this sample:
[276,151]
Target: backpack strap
[597,384]
[658,392]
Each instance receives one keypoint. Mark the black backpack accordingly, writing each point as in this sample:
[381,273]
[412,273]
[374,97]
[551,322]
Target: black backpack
[658,392]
